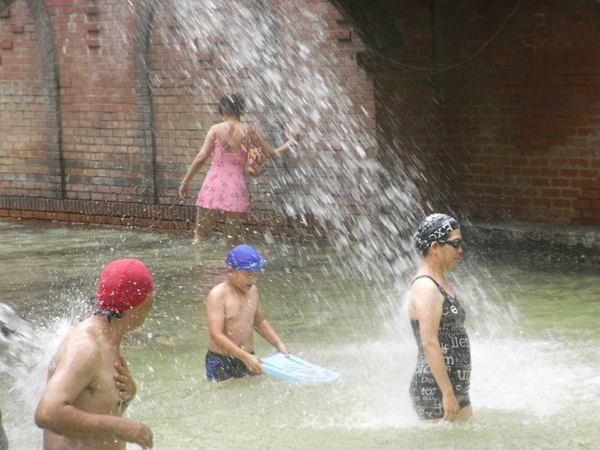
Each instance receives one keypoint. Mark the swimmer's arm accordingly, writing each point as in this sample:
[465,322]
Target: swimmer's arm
[75,370]
[264,328]
[428,309]
[205,152]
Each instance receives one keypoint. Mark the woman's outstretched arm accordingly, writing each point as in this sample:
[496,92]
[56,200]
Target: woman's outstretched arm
[260,141]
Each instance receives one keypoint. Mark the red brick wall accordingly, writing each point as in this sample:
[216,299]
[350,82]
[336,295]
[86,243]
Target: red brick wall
[501,130]
[23,165]
[102,129]
[97,100]
[507,130]
[521,118]
[407,120]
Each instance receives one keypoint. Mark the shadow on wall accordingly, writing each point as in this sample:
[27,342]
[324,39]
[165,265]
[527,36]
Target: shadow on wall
[4,4]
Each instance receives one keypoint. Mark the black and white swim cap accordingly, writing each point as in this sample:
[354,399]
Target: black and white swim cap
[434,227]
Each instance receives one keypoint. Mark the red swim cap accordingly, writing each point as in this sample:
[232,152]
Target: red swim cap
[124,284]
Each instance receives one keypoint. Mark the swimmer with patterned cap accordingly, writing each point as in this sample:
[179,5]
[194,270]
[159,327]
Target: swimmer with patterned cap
[433,228]
[437,318]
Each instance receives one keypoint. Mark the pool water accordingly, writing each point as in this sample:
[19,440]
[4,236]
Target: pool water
[534,333]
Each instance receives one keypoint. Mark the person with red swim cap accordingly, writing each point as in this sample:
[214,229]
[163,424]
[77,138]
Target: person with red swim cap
[124,284]
[89,384]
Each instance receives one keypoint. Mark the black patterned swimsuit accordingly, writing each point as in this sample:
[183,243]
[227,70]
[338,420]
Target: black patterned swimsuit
[454,342]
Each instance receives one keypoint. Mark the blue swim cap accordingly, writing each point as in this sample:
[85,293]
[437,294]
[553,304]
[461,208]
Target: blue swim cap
[244,257]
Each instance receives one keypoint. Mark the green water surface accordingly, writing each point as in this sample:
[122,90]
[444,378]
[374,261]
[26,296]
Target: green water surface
[534,333]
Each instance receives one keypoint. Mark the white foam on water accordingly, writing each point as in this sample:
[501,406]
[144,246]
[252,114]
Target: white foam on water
[25,353]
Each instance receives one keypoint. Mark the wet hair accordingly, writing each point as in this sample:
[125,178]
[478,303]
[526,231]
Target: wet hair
[110,315]
[234,103]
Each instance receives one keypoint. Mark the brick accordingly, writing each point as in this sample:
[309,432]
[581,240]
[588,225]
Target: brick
[91,10]
[533,82]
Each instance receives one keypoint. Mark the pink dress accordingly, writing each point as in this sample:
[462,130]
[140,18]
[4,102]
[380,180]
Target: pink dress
[225,187]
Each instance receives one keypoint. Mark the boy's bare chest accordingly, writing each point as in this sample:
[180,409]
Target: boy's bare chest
[240,309]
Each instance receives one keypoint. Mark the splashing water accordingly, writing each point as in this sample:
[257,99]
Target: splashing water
[25,353]
[366,209]
[343,307]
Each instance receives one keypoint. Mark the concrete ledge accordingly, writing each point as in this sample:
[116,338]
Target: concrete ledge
[530,243]
[141,215]
[535,242]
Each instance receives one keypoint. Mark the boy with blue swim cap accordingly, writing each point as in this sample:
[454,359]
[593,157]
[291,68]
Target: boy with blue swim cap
[244,257]
[234,312]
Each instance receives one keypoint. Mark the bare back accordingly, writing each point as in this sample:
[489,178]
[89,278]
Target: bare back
[231,136]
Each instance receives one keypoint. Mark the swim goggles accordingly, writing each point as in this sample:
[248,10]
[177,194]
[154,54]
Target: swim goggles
[456,243]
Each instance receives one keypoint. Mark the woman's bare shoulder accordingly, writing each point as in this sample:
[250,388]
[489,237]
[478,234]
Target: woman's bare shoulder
[216,127]
[423,282]
[424,289]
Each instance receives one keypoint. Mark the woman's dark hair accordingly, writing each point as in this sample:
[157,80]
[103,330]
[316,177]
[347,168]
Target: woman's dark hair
[234,103]
[426,249]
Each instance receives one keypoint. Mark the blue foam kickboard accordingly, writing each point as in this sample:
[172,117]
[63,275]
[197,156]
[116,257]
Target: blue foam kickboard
[293,368]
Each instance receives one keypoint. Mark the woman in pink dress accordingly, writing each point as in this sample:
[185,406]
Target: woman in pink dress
[225,187]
